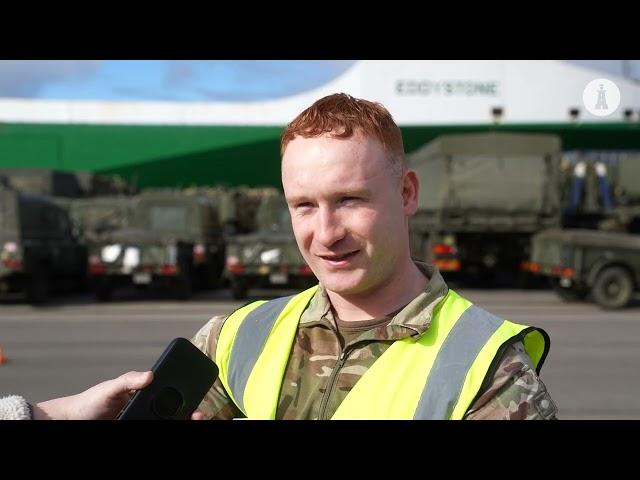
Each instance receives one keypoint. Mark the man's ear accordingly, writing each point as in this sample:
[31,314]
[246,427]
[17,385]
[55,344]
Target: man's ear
[410,189]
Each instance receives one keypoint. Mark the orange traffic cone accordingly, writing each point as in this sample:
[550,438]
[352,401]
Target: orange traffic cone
[2,357]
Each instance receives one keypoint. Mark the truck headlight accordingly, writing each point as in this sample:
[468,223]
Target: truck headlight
[270,257]
[110,253]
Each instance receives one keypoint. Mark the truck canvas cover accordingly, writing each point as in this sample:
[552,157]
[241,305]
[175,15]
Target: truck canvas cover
[629,177]
[494,173]
[43,181]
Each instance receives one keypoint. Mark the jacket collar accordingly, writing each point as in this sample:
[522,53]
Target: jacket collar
[416,315]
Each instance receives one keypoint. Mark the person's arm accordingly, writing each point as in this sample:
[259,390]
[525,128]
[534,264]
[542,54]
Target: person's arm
[216,405]
[100,402]
[516,392]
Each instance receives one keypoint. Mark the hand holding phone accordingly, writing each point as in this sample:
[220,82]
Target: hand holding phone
[182,377]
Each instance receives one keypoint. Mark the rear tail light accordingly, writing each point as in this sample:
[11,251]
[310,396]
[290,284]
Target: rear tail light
[97,269]
[562,271]
[535,267]
[12,263]
[10,256]
[305,270]
[442,249]
[199,253]
[448,265]
[234,265]
[168,270]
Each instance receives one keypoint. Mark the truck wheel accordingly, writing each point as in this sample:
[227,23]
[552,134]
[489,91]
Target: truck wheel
[570,294]
[205,277]
[613,288]
[183,287]
[38,287]
[238,289]
[104,290]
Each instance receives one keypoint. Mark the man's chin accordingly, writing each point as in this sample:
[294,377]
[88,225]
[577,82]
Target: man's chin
[344,285]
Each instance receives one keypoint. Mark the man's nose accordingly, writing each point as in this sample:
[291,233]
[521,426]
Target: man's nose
[329,227]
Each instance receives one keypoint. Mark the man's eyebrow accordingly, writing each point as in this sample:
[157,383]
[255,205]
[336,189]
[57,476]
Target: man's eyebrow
[297,199]
[356,192]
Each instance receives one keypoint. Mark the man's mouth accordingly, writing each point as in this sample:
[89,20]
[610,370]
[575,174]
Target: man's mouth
[339,257]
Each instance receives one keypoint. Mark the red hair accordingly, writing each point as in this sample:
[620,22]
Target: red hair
[342,116]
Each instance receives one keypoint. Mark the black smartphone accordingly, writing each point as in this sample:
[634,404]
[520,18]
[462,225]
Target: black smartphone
[182,376]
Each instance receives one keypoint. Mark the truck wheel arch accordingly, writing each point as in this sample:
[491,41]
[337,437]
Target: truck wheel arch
[603,264]
[623,283]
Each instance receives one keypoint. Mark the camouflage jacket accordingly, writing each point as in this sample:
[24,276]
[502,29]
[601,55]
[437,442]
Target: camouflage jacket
[316,382]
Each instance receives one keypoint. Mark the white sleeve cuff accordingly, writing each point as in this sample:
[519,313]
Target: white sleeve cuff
[14,407]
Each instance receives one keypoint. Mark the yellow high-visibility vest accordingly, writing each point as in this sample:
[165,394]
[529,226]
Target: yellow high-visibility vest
[437,375]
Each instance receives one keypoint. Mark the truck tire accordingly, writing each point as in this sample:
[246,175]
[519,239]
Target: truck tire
[205,277]
[183,287]
[239,289]
[38,287]
[186,279]
[571,294]
[613,288]
[104,290]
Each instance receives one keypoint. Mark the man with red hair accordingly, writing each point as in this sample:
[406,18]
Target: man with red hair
[381,336]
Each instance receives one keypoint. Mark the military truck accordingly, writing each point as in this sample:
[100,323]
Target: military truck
[482,196]
[37,245]
[96,184]
[625,180]
[600,261]
[583,263]
[42,181]
[237,206]
[97,217]
[173,240]
[269,257]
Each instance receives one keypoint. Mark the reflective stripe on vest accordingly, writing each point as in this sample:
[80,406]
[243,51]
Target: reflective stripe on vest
[255,343]
[436,376]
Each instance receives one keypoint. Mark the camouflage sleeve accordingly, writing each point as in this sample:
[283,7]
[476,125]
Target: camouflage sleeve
[516,392]
[216,404]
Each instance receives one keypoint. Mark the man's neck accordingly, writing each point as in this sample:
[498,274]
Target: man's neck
[406,285]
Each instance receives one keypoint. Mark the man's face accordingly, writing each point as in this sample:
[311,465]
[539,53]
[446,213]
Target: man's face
[346,209]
